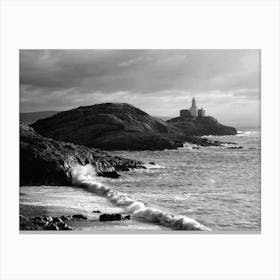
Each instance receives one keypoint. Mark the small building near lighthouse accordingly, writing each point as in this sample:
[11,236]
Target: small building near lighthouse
[201,113]
[193,112]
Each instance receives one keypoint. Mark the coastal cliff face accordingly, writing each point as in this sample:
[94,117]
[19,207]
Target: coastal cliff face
[46,161]
[111,126]
[202,126]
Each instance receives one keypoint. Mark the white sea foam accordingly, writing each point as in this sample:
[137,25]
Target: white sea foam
[188,146]
[153,166]
[85,177]
[247,133]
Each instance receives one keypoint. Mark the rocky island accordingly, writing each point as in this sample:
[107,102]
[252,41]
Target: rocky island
[202,126]
[120,126]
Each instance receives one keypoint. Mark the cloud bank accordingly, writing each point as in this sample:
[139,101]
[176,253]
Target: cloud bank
[161,82]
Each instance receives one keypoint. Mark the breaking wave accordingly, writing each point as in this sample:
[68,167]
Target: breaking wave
[85,177]
[153,166]
[241,133]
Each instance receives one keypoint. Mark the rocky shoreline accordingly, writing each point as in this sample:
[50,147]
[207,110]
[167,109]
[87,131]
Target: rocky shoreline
[44,161]
[115,126]
[37,219]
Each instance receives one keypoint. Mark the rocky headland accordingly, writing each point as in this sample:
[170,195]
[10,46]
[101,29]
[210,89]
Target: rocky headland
[44,161]
[120,126]
[201,126]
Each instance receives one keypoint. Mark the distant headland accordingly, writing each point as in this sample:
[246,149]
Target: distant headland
[121,126]
[194,122]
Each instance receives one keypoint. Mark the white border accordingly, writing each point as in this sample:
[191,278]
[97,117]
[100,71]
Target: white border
[157,24]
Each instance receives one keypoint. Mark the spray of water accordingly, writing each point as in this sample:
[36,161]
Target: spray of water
[85,177]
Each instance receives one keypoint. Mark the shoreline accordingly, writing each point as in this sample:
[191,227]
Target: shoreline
[28,212]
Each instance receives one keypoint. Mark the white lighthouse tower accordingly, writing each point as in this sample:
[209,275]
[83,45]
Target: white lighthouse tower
[193,109]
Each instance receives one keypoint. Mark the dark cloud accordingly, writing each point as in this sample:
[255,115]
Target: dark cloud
[62,79]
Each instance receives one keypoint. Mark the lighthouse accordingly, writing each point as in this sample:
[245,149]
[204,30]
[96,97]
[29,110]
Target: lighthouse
[193,109]
[193,112]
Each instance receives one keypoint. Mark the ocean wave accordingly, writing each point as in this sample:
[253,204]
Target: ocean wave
[188,146]
[241,133]
[153,166]
[85,177]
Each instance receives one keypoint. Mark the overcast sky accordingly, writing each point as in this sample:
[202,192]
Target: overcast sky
[161,82]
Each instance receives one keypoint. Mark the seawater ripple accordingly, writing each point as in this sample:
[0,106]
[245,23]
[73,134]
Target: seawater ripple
[85,177]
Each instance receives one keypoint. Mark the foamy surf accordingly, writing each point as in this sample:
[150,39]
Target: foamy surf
[247,133]
[85,176]
[153,166]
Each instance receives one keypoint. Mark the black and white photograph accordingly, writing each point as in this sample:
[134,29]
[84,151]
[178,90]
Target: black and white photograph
[140,140]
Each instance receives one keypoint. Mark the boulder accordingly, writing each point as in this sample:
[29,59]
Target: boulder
[51,226]
[57,220]
[79,217]
[110,217]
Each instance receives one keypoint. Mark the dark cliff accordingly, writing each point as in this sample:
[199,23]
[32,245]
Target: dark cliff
[46,161]
[111,126]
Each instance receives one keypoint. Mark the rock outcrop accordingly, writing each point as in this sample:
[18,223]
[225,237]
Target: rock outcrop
[204,142]
[111,126]
[201,126]
[113,217]
[120,126]
[46,161]
[42,223]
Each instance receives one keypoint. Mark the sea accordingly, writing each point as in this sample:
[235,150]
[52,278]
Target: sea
[190,188]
